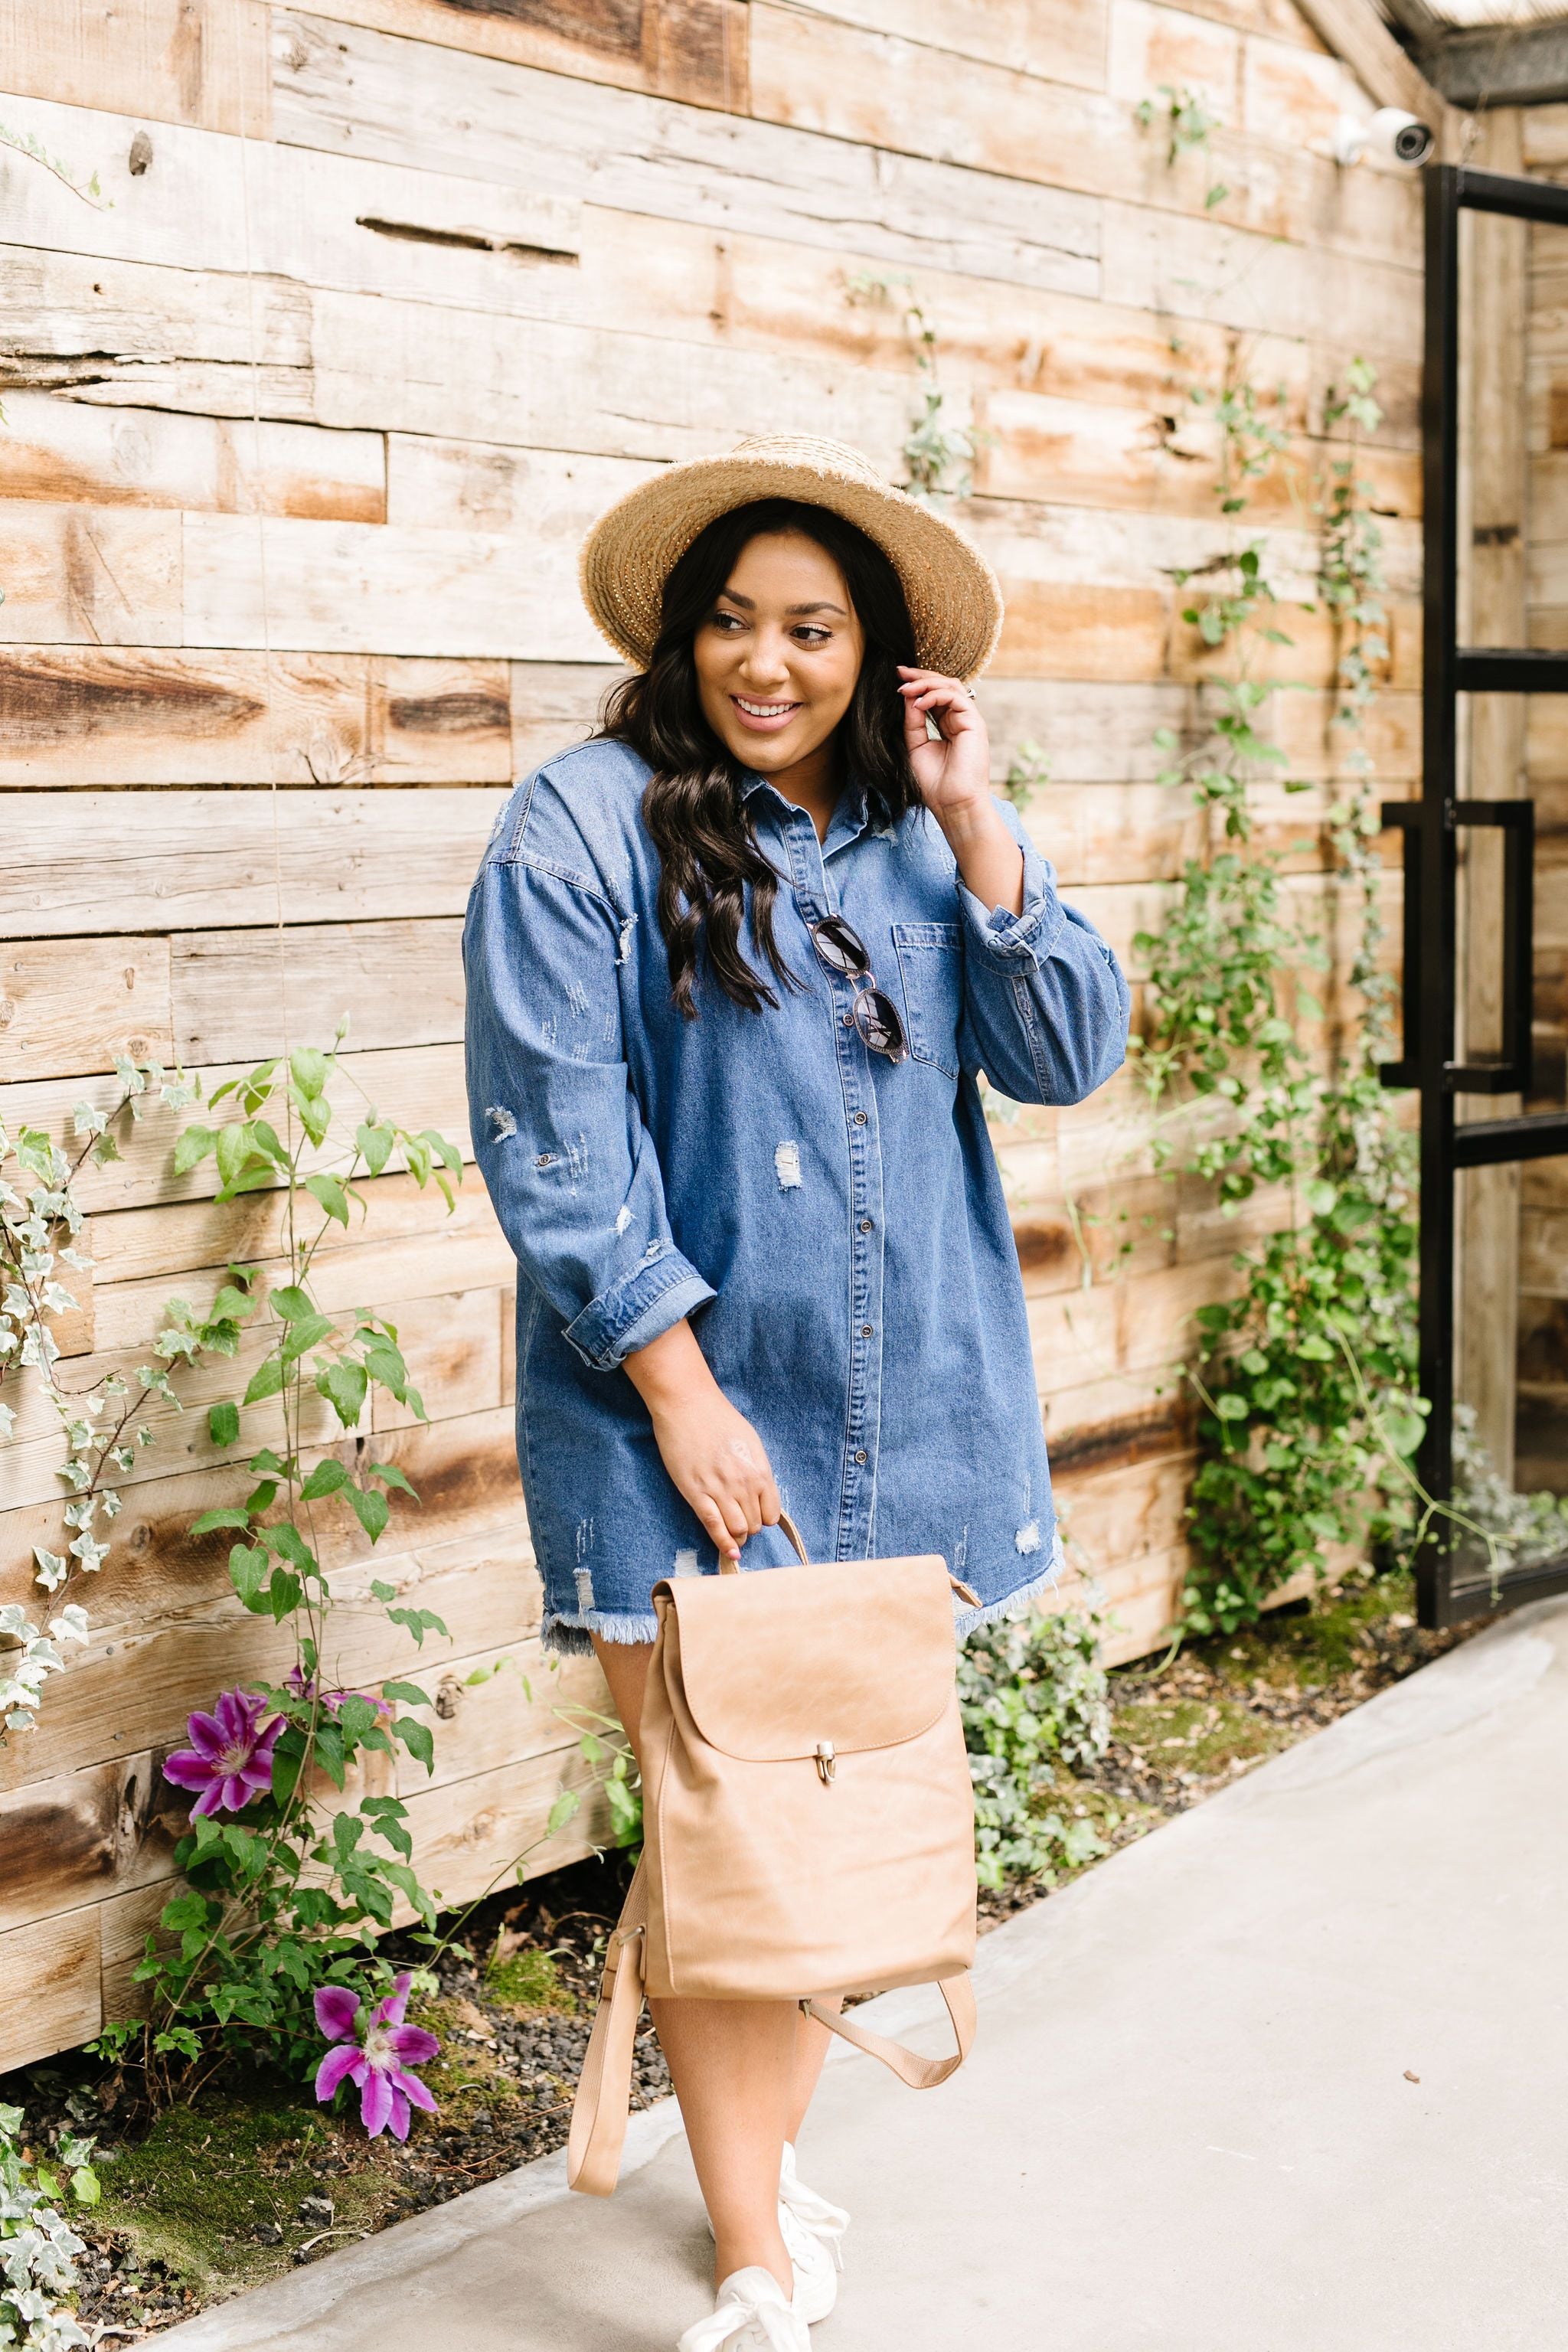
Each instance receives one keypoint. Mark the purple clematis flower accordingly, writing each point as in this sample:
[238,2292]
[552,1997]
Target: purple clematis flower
[229,1759]
[380,2065]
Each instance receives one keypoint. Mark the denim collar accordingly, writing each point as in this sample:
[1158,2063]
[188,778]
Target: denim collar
[846,824]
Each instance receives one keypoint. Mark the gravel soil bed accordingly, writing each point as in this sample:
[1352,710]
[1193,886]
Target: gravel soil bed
[251,2176]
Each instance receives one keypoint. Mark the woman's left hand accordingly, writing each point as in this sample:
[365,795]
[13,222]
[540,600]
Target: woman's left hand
[952,770]
[954,773]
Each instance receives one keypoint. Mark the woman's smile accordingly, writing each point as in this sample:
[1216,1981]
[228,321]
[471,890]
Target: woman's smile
[767,717]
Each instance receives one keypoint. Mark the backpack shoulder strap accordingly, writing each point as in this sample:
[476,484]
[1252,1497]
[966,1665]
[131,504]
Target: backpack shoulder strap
[605,2090]
[920,2073]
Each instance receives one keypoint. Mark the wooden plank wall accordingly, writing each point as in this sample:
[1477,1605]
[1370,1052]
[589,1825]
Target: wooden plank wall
[302,428]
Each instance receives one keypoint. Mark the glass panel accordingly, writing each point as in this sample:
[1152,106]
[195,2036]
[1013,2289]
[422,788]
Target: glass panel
[1512,747]
[1510,1366]
[1514,432]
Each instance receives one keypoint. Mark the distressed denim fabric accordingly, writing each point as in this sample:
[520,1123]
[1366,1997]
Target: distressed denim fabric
[833,1224]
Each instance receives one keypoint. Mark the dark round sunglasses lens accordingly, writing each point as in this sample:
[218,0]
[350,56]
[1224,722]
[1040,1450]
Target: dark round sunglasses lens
[838,945]
[877,1018]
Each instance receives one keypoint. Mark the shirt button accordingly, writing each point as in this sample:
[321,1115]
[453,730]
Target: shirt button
[861,1456]
[865,1331]
[865,1224]
[859,1120]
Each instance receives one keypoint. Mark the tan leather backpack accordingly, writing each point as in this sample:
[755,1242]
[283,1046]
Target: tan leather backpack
[808,1816]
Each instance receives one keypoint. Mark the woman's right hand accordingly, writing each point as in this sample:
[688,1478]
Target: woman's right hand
[716,1461]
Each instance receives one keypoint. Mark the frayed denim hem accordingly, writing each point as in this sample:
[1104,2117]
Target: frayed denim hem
[568,1636]
[1015,1604]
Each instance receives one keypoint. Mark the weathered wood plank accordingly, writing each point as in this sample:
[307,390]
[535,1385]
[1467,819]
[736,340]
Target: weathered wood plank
[145,1244]
[239,859]
[83,1836]
[1151,50]
[95,716]
[58,449]
[1017,34]
[30,1461]
[57,1962]
[487,377]
[380,1275]
[545,496]
[525,1707]
[134,1684]
[344,587]
[877,89]
[241,995]
[475,1833]
[1079,453]
[64,316]
[69,1007]
[198,61]
[102,1833]
[95,575]
[1191,269]
[362,94]
[468,1532]
[419,1085]
[207,202]
[694,50]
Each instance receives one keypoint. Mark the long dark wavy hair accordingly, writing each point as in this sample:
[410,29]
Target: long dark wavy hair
[693,807]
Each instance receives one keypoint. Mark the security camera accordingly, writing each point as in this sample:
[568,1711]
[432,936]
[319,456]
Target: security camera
[1395,136]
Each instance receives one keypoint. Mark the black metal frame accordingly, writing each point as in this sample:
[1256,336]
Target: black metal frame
[1448,1587]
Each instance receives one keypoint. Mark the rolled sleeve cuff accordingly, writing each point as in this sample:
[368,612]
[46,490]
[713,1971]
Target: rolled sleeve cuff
[1015,943]
[633,1312]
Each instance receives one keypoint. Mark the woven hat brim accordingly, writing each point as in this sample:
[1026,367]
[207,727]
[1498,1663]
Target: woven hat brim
[954,598]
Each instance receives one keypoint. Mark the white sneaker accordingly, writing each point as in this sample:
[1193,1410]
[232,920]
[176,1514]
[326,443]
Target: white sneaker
[811,2229]
[825,2223]
[749,2314]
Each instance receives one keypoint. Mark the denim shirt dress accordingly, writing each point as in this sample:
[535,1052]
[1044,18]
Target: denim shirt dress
[832,1223]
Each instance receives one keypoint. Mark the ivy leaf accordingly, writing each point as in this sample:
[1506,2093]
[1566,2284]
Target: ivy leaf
[222,1426]
[248,1569]
[375,1140]
[330,1192]
[265,1382]
[329,1753]
[418,1738]
[193,1148]
[344,1386]
[309,1069]
[568,1803]
[225,1518]
[371,1510]
[288,1544]
[305,1335]
[326,1478]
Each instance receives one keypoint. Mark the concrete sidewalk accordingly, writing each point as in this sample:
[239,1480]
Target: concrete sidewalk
[1289,2075]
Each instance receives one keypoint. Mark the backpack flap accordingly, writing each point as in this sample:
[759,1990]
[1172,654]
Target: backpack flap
[850,1655]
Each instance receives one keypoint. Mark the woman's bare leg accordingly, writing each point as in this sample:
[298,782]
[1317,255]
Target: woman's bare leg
[735,2065]
[810,2043]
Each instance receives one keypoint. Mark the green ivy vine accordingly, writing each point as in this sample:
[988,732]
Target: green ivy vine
[1305,1378]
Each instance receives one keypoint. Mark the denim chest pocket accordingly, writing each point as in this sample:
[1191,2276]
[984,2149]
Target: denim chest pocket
[930,966]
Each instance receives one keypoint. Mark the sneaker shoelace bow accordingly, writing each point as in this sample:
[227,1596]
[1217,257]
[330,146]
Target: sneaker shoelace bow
[773,2321]
[812,2212]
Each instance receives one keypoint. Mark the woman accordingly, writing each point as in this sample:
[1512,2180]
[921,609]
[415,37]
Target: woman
[733,967]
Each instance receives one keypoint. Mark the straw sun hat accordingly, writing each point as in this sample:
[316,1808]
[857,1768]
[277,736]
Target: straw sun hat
[954,602]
